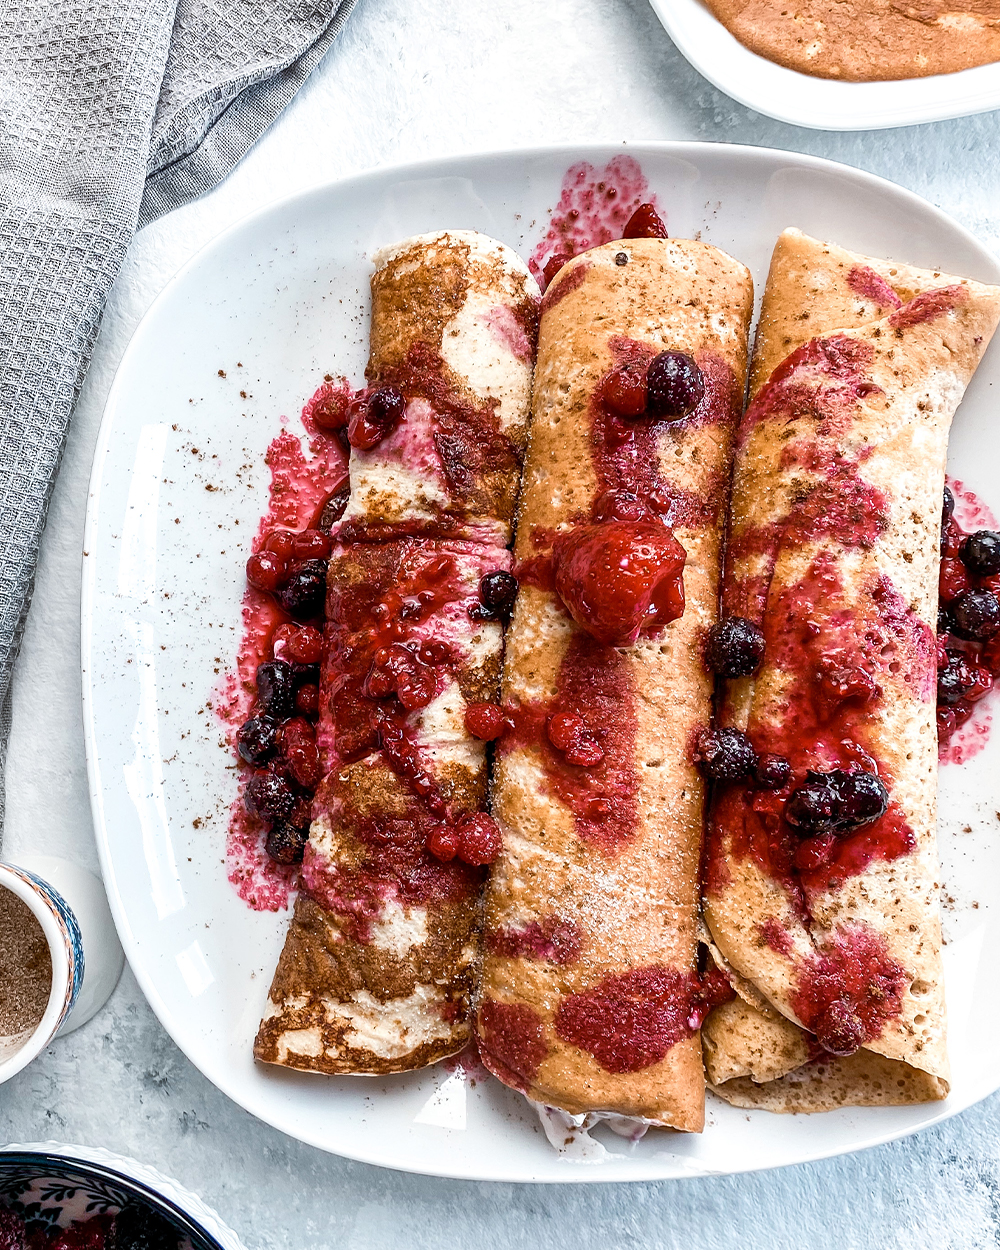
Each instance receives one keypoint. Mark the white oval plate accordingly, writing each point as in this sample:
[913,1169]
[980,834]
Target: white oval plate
[820,103]
[285,293]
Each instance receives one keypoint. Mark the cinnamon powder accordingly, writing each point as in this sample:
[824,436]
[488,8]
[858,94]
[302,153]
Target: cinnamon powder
[25,968]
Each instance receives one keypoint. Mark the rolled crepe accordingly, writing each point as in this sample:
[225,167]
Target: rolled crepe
[590,998]
[454,321]
[858,368]
[379,963]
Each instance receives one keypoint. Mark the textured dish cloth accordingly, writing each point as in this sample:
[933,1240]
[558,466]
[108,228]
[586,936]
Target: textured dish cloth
[112,112]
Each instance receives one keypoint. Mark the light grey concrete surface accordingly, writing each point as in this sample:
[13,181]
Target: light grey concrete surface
[408,79]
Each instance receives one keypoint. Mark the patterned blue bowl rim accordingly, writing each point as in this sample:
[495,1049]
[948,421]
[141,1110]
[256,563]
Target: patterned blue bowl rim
[47,1164]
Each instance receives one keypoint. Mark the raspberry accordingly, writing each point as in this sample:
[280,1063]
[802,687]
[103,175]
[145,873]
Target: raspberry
[298,746]
[624,391]
[953,580]
[484,721]
[480,841]
[443,843]
[307,700]
[645,223]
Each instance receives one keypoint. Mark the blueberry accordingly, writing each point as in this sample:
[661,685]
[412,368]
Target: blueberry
[838,800]
[948,505]
[735,647]
[386,407]
[269,796]
[286,843]
[675,385]
[772,771]
[812,807]
[276,689]
[954,680]
[944,620]
[303,594]
[725,754]
[975,615]
[497,592]
[863,799]
[980,553]
[258,739]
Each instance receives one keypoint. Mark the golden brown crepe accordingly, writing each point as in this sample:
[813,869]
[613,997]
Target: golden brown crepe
[858,368]
[378,968]
[866,42]
[590,997]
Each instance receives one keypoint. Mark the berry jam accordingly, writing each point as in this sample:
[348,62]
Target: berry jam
[511,1042]
[969,645]
[307,473]
[549,940]
[630,1022]
[135,1226]
[595,692]
[595,206]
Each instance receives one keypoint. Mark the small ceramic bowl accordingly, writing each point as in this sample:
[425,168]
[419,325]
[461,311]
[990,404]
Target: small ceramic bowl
[62,933]
[51,1185]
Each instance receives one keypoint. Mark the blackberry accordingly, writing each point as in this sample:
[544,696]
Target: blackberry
[838,800]
[735,647]
[725,754]
[269,796]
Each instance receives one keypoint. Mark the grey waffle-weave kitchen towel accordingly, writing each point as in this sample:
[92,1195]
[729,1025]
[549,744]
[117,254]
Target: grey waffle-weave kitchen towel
[112,112]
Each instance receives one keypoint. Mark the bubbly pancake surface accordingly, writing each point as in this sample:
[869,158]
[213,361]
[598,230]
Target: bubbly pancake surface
[855,41]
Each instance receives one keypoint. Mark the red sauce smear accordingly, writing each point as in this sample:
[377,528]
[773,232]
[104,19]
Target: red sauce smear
[302,479]
[551,940]
[871,285]
[594,208]
[594,684]
[964,728]
[847,993]
[928,305]
[471,446]
[842,658]
[511,1042]
[393,864]
[630,1021]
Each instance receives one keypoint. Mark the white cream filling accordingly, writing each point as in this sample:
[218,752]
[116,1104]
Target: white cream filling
[392,1029]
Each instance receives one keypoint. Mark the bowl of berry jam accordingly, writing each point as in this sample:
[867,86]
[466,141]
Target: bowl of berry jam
[55,1197]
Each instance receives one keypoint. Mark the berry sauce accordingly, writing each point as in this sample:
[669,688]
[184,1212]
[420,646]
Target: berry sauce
[964,726]
[511,1042]
[452,441]
[549,940]
[305,473]
[595,206]
[872,286]
[595,690]
[629,1022]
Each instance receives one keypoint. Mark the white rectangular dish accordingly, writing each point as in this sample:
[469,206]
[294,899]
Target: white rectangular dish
[245,333]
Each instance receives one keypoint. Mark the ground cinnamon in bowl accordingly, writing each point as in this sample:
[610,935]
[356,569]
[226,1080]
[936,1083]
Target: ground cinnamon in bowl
[25,973]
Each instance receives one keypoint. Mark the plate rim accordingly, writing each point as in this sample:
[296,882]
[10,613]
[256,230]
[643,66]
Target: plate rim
[571,152]
[828,117]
